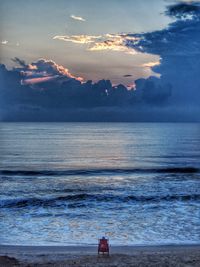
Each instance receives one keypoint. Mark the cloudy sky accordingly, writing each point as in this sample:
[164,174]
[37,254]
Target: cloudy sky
[70,33]
[132,60]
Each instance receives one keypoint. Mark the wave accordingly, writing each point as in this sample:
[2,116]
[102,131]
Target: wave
[98,171]
[82,200]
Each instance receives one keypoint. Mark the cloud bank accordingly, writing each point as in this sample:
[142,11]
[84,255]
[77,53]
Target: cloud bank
[43,90]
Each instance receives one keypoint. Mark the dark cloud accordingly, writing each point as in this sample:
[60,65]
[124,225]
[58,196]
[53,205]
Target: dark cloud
[151,92]
[20,62]
[183,10]
[127,75]
[178,47]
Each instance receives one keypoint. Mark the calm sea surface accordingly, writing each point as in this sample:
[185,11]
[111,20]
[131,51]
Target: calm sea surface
[71,183]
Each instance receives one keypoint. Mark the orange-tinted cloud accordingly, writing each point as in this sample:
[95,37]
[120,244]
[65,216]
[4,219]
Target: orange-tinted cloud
[79,39]
[32,67]
[113,42]
[38,80]
[151,64]
[50,67]
[43,70]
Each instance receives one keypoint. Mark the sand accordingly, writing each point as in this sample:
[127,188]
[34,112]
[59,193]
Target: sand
[177,256]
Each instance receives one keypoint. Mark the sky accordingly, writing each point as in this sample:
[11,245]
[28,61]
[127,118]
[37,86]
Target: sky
[30,29]
[132,60]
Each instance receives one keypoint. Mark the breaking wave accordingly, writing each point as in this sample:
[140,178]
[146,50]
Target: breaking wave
[98,171]
[75,200]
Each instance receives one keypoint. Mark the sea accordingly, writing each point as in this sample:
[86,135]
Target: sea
[72,183]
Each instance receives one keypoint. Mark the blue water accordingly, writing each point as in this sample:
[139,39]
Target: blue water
[71,183]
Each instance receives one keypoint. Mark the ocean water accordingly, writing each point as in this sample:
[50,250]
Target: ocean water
[71,183]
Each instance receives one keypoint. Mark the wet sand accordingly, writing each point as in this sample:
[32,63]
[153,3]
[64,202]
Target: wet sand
[120,256]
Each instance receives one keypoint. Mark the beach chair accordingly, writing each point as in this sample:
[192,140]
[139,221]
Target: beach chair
[103,246]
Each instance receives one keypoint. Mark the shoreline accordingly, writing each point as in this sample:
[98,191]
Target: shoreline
[76,246]
[134,255]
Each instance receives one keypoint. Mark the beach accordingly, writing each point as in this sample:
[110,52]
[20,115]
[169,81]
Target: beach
[120,256]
